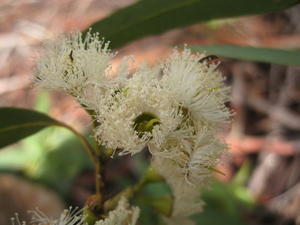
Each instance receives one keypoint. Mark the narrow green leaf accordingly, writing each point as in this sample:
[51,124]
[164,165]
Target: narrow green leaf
[267,55]
[17,123]
[156,16]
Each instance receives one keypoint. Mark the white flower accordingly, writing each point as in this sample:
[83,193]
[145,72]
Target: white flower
[68,217]
[189,154]
[181,95]
[186,196]
[93,95]
[192,149]
[16,221]
[138,113]
[198,88]
[72,63]
[195,158]
[122,215]
[175,109]
[187,166]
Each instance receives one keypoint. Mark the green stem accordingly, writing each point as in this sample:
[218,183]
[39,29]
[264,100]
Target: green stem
[85,144]
[94,157]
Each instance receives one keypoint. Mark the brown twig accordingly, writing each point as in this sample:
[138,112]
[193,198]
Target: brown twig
[279,114]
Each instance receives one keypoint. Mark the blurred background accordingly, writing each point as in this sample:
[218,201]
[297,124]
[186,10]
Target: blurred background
[51,171]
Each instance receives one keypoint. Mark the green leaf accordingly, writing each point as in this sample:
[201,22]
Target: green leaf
[43,157]
[156,16]
[223,205]
[17,123]
[267,55]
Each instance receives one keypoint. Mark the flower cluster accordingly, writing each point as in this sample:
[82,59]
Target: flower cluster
[68,217]
[174,109]
[123,214]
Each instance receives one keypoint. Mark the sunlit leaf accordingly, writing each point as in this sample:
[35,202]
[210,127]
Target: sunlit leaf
[17,123]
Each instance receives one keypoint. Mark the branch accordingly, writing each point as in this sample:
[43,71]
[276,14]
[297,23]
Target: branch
[280,114]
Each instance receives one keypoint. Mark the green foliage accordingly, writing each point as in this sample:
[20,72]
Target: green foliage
[267,55]
[54,156]
[156,16]
[21,123]
[154,198]
[227,202]
[63,163]
[158,196]
[162,204]
[148,216]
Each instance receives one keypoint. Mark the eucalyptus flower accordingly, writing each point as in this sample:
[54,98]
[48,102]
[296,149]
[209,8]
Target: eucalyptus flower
[198,87]
[73,63]
[141,111]
[186,196]
[68,217]
[174,109]
[172,101]
[124,214]
[190,152]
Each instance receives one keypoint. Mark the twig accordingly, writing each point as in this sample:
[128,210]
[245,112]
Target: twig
[279,114]
[287,203]
[94,157]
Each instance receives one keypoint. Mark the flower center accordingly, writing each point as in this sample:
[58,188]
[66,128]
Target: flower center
[144,123]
